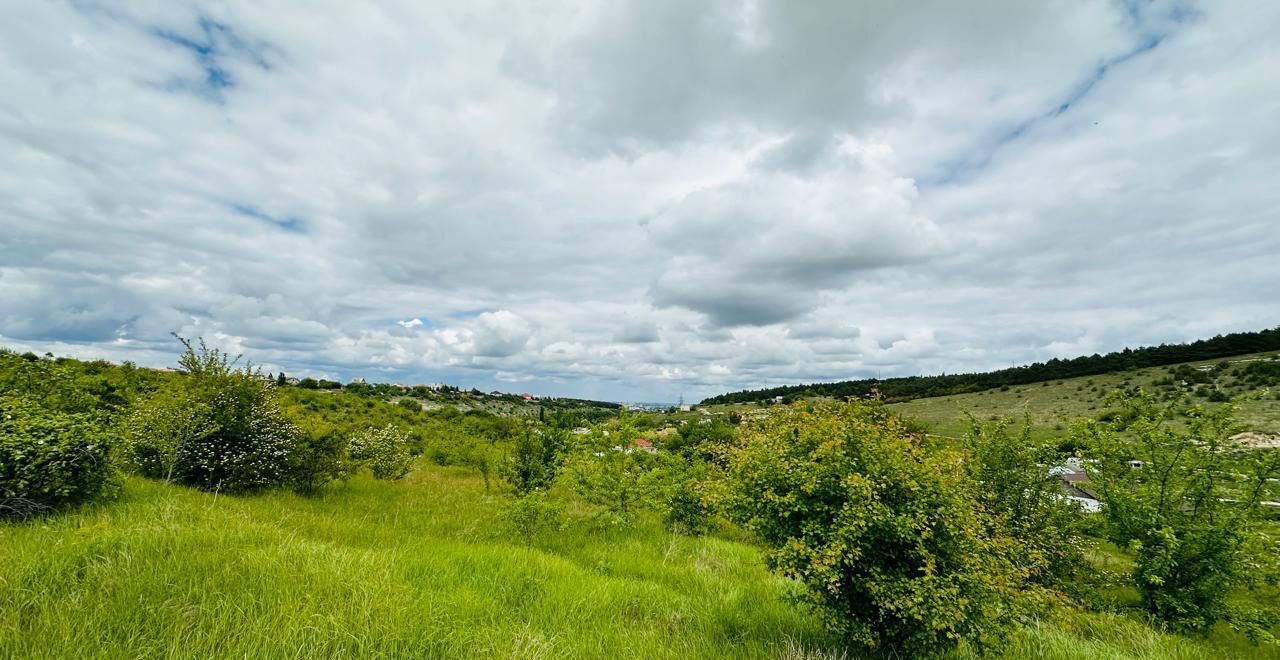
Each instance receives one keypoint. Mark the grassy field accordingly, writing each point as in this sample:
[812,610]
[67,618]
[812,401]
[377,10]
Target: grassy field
[1050,406]
[424,568]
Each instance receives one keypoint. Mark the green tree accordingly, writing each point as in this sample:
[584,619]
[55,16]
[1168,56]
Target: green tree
[536,460]
[385,450]
[1190,509]
[885,536]
[1010,473]
[217,427]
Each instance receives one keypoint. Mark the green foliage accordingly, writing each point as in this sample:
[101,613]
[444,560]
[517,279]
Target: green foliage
[218,427]
[1191,514]
[537,458]
[609,471]
[49,459]
[532,515]
[385,450]
[320,458]
[688,511]
[701,439]
[885,536]
[1024,502]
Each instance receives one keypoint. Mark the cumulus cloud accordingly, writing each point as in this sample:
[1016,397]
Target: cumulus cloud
[634,200]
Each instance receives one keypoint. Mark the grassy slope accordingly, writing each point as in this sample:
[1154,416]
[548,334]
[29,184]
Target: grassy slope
[418,569]
[1051,405]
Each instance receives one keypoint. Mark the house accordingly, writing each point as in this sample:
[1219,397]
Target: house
[1136,465]
[1074,484]
[645,445]
[527,397]
[684,407]
[581,430]
[777,400]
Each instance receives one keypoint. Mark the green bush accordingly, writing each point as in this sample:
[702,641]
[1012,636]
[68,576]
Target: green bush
[385,450]
[687,510]
[319,458]
[885,536]
[217,428]
[1192,513]
[50,459]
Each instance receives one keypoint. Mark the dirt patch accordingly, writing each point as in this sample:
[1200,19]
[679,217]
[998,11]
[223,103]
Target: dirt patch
[1258,440]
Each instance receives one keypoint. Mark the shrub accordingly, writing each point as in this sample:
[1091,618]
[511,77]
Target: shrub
[1024,502]
[539,453]
[885,536]
[50,459]
[1191,513]
[533,514]
[385,450]
[217,427]
[319,458]
[687,510]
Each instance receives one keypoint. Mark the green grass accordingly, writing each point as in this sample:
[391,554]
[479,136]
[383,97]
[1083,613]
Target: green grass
[419,569]
[422,568]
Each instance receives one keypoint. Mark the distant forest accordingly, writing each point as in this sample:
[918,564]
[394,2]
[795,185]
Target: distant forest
[916,387]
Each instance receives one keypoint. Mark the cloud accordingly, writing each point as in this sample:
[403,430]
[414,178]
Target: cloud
[635,200]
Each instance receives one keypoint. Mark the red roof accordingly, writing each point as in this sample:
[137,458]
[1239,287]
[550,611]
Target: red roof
[641,442]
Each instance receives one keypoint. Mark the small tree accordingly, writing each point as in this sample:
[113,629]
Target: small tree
[1010,474]
[385,450]
[218,427]
[610,472]
[885,536]
[1189,509]
[538,455]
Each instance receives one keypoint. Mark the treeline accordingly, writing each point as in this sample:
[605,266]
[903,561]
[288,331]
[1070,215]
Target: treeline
[916,387]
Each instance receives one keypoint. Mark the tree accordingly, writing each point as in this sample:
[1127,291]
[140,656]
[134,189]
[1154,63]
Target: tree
[281,381]
[1024,502]
[1189,509]
[385,450]
[885,536]
[217,427]
[538,455]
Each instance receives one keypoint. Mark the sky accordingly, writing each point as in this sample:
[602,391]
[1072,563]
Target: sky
[636,200]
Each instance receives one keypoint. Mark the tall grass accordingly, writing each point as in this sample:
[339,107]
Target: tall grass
[422,568]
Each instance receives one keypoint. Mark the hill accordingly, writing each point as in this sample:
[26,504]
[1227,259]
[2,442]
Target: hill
[913,387]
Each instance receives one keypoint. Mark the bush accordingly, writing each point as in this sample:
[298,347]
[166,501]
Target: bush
[319,458]
[1023,502]
[885,536]
[385,450]
[217,428]
[687,510]
[1191,514]
[532,514]
[50,459]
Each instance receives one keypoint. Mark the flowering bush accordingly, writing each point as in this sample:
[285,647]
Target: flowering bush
[49,459]
[217,428]
[385,450]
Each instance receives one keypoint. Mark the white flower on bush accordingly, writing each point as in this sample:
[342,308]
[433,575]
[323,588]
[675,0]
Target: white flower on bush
[384,450]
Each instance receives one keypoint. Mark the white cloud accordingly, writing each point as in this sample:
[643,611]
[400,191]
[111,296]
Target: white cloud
[637,199]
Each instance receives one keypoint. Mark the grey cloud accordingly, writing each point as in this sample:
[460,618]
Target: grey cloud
[789,191]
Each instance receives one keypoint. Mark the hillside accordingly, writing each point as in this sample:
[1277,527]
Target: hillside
[913,387]
[1253,380]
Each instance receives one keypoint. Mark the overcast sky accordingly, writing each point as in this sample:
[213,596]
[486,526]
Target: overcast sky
[636,200]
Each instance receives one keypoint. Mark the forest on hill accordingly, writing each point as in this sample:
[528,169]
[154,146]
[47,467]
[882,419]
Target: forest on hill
[915,387]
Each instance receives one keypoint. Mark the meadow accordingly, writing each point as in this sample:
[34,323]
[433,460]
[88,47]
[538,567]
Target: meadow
[437,565]
[427,568]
